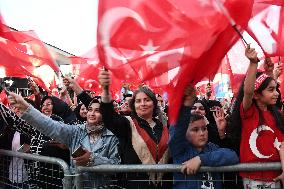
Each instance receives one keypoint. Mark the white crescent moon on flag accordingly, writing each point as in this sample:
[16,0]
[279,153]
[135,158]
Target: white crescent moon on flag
[108,20]
[153,59]
[156,57]
[253,138]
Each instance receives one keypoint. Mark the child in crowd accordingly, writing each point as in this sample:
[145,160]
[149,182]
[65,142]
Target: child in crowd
[189,145]
[259,126]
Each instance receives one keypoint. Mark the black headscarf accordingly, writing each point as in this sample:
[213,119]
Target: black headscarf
[61,109]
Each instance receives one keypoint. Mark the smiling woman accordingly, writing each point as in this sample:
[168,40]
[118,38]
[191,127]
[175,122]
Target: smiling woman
[143,138]
[144,103]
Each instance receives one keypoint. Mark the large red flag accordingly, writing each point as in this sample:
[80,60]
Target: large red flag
[207,64]
[26,46]
[132,35]
[31,47]
[203,34]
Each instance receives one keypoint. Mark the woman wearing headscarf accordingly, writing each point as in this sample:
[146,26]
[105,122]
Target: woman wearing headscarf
[100,146]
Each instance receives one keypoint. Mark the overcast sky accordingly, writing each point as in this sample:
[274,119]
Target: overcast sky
[67,24]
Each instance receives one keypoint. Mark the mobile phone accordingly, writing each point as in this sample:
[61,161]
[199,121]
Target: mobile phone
[78,152]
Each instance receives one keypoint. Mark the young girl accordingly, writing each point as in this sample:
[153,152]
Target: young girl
[260,126]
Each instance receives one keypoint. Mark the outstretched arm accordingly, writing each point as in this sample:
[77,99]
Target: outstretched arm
[250,77]
[54,129]
[80,93]
[177,142]
[10,119]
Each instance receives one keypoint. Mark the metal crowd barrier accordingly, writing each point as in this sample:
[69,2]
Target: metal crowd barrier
[48,172]
[166,168]
[34,171]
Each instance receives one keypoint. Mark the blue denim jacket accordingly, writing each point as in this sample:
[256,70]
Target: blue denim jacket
[104,150]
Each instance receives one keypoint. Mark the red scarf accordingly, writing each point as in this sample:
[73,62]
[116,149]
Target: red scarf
[151,144]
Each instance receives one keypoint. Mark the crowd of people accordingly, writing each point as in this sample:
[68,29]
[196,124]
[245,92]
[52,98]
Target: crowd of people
[136,130]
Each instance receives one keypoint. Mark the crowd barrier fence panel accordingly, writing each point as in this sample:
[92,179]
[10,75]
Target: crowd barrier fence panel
[106,171]
[82,183]
[41,171]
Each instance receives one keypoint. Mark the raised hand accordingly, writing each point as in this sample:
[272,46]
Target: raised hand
[104,79]
[18,101]
[33,86]
[220,120]
[277,70]
[251,54]
[189,95]
[72,84]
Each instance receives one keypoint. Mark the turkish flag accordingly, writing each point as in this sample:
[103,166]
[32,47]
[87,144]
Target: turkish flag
[207,64]
[134,36]
[30,47]
[267,25]
[26,46]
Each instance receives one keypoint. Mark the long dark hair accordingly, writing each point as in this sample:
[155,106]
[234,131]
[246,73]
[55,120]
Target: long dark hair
[77,113]
[150,94]
[234,127]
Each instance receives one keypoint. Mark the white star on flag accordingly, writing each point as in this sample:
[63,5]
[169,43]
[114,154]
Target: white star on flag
[149,48]
[277,144]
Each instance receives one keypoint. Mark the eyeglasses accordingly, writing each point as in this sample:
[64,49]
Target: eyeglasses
[197,129]
[197,107]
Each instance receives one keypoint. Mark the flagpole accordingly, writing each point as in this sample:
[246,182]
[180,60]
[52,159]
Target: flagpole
[231,20]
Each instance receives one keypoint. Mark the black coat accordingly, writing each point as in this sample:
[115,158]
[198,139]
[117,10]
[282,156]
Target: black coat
[120,126]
